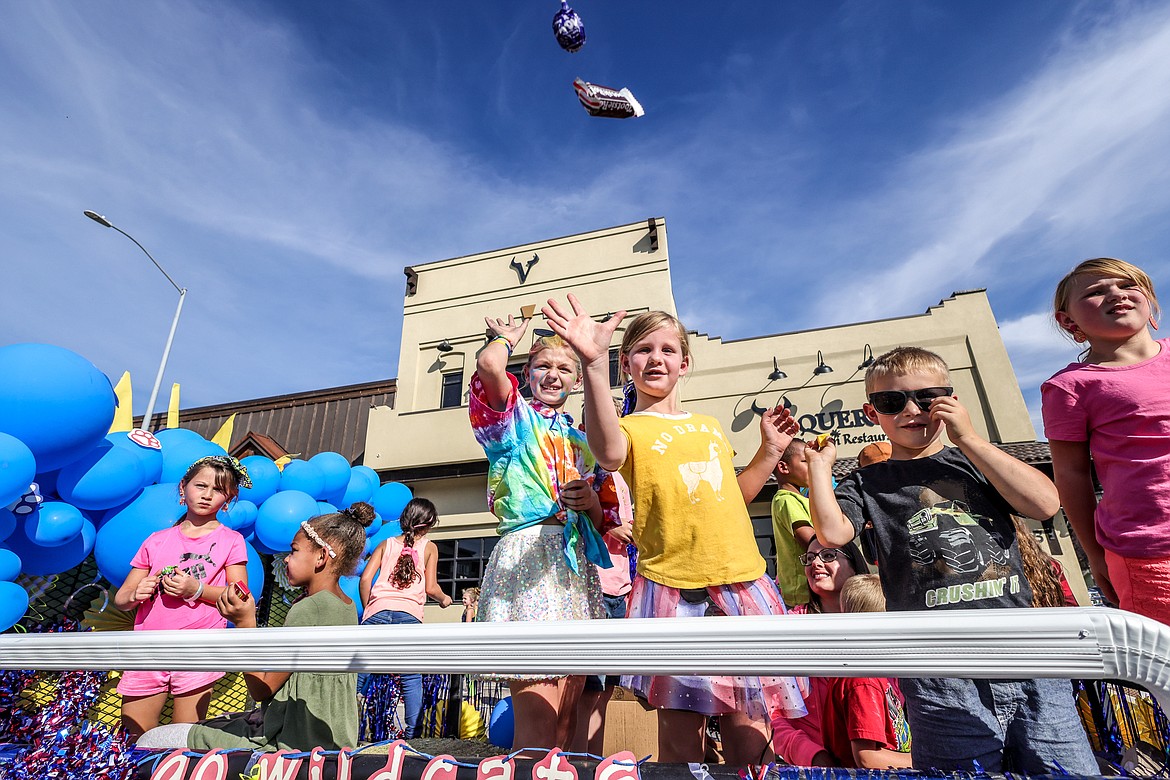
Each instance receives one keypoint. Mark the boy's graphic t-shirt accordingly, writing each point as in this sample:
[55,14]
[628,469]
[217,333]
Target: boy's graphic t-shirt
[945,536]
[863,708]
[205,558]
[691,526]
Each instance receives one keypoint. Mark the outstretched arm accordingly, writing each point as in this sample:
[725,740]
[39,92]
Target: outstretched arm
[833,529]
[262,686]
[492,362]
[431,567]
[591,341]
[1071,467]
[777,429]
[1027,489]
[366,583]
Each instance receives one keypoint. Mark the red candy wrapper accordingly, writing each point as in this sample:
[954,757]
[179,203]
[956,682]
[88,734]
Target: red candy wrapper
[607,101]
[242,590]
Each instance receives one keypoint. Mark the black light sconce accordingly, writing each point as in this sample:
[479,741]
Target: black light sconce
[776,372]
[445,346]
[821,367]
[866,358]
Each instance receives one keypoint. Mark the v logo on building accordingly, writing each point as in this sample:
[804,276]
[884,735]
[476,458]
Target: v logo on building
[522,270]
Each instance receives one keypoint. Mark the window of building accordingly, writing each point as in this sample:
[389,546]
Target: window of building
[461,563]
[452,393]
[516,369]
[615,368]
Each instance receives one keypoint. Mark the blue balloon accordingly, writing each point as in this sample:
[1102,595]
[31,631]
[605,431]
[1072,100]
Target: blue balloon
[7,523]
[390,499]
[359,488]
[335,468]
[53,523]
[389,529]
[371,475]
[173,437]
[325,508]
[349,586]
[280,518]
[10,565]
[43,561]
[303,476]
[253,540]
[13,604]
[502,724]
[55,401]
[102,478]
[47,483]
[265,478]
[374,526]
[152,459]
[17,468]
[177,459]
[240,515]
[255,571]
[123,531]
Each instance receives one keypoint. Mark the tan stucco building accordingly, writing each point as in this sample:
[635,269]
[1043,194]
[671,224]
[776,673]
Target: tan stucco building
[425,439]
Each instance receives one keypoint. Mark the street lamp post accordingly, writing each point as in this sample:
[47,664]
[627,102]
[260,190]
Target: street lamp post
[149,417]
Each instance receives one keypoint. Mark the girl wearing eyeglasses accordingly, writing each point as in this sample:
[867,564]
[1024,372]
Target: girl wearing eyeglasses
[1111,411]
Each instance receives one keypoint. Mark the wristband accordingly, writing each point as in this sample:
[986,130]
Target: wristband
[195,598]
[504,339]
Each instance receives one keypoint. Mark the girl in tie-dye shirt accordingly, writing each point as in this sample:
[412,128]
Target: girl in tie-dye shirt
[541,486]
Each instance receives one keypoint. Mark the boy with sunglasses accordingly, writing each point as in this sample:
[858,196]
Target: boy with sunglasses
[945,540]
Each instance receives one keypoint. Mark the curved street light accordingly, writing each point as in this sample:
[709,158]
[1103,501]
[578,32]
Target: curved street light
[149,416]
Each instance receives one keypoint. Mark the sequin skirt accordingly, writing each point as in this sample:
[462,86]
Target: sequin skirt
[757,697]
[528,578]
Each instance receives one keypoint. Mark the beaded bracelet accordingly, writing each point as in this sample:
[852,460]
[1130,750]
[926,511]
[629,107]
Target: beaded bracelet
[504,339]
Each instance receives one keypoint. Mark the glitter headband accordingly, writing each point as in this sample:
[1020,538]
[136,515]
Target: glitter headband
[316,537]
[227,461]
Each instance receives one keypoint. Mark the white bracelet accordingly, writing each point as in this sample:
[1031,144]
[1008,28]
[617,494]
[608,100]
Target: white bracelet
[195,598]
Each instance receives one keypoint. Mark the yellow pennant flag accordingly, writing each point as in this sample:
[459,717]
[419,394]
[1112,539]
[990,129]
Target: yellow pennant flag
[124,414]
[173,407]
[223,437]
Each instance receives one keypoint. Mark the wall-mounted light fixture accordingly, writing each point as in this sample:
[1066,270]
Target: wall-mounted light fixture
[445,346]
[866,358]
[542,333]
[821,367]
[776,372]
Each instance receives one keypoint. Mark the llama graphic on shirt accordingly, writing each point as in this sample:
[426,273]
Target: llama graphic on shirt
[697,472]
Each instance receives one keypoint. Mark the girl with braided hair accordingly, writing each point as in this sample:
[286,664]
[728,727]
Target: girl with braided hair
[401,573]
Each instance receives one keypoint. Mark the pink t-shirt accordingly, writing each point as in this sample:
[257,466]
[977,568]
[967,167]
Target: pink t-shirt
[615,581]
[385,595]
[1123,412]
[205,558]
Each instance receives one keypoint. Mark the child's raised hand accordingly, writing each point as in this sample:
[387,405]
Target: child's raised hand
[777,430]
[589,338]
[146,588]
[954,416]
[510,329]
[240,610]
[821,451]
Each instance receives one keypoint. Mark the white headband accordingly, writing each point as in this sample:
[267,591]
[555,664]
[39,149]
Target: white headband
[316,537]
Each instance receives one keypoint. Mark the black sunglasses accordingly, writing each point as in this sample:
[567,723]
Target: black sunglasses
[894,401]
[826,556]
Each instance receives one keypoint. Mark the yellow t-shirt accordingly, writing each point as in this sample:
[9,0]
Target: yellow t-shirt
[691,526]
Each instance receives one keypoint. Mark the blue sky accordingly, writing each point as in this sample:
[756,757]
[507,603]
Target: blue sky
[846,160]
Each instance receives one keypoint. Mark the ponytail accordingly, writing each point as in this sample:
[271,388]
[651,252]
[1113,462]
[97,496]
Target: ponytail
[418,517]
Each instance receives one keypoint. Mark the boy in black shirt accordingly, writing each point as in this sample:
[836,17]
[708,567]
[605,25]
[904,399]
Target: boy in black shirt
[945,538]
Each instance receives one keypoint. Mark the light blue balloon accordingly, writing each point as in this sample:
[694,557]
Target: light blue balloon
[303,476]
[390,499]
[55,401]
[253,540]
[104,477]
[255,571]
[7,523]
[502,724]
[173,437]
[152,459]
[390,528]
[240,515]
[13,604]
[350,587]
[43,561]
[335,468]
[374,526]
[325,508]
[280,518]
[10,565]
[265,478]
[53,523]
[17,468]
[124,530]
[177,459]
[359,488]
[371,475]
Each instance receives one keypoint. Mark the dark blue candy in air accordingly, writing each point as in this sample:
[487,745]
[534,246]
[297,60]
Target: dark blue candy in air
[569,28]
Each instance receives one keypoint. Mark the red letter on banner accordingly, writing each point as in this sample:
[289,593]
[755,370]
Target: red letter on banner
[441,768]
[317,764]
[392,769]
[496,768]
[554,766]
[173,767]
[619,766]
[213,766]
[274,766]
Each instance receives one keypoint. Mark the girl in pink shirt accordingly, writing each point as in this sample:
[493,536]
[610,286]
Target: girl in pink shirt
[401,573]
[1111,411]
[176,577]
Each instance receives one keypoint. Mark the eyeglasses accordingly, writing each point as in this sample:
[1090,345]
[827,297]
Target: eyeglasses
[894,401]
[826,556]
